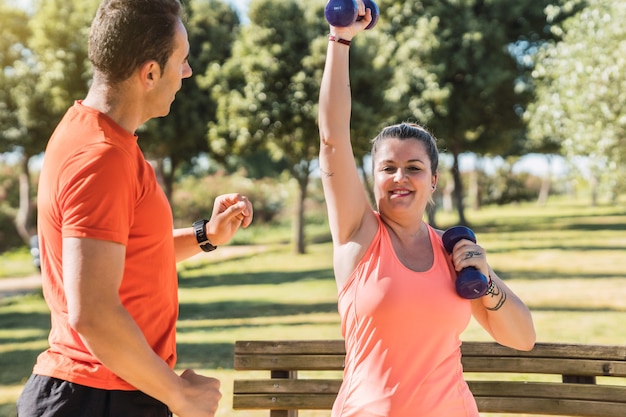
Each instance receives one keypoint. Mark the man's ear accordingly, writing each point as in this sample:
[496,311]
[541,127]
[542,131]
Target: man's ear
[149,73]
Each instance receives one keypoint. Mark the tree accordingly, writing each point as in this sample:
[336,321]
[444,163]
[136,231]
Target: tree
[581,85]
[48,73]
[13,136]
[15,34]
[455,72]
[180,137]
[268,95]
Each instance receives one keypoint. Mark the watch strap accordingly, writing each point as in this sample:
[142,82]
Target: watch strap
[201,237]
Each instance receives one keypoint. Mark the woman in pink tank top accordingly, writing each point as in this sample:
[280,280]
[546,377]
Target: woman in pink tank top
[401,316]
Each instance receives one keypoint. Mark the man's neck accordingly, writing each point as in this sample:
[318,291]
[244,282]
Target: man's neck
[116,101]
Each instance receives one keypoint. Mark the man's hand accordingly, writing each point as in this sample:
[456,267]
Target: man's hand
[200,396]
[230,211]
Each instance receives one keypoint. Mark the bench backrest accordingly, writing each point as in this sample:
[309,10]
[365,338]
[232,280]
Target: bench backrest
[552,379]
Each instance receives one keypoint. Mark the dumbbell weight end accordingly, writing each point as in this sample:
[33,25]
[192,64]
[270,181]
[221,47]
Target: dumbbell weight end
[342,13]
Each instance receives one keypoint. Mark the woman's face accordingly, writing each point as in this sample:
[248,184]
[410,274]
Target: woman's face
[403,178]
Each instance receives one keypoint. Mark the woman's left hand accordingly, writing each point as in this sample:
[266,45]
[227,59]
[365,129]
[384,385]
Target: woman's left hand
[467,253]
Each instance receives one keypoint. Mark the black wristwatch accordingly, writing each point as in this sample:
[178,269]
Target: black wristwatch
[203,240]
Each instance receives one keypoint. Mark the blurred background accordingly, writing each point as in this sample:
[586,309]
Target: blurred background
[526,98]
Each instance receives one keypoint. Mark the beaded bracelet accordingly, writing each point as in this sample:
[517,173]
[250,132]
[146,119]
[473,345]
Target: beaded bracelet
[334,38]
[491,287]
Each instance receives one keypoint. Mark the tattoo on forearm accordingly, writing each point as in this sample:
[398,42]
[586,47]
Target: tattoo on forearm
[326,174]
[495,293]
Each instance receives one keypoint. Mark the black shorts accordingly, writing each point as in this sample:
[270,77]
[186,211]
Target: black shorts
[50,397]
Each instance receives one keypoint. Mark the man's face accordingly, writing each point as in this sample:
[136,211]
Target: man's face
[170,80]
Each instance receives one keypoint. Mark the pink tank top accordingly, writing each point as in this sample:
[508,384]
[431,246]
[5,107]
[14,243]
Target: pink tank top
[402,332]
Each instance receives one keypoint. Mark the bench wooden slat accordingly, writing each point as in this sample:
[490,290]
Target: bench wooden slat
[550,407]
[554,390]
[291,347]
[276,386]
[547,406]
[485,405]
[470,364]
[283,401]
[480,389]
[289,362]
[337,347]
[545,366]
[547,350]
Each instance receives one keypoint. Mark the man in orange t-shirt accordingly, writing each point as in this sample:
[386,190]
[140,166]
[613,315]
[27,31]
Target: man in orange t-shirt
[108,246]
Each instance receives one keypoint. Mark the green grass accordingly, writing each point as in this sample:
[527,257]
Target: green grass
[565,260]
[16,263]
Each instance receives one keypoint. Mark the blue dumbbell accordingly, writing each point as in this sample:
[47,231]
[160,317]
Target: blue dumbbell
[342,13]
[470,282]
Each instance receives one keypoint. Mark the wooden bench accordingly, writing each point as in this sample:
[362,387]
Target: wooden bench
[552,379]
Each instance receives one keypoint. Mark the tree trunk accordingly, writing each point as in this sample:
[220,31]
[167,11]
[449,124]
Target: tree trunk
[168,178]
[474,189]
[446,198]
[23,219]
[298,223]
[546,184]
[458,189]
[593,184]
[165,177]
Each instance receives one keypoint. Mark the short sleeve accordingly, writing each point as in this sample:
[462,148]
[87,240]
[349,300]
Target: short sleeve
[97,200]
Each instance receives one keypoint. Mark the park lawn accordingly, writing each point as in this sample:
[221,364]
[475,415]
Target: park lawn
[565,261]
[16,263]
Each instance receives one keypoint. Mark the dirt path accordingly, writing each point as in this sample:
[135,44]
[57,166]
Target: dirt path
[17,286]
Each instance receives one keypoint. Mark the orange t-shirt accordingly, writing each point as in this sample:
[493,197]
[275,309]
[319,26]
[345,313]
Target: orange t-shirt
[95,183]
[402,333]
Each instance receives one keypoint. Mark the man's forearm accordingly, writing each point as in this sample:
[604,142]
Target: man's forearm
[116,340]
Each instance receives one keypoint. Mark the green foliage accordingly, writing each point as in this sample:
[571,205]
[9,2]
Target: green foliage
[268,95]
[49,70]
[212,26]
[193,198]
[46,71]
[15,34]
[9,196]
[506,188]
[454,71]
[581,90]
[9,238]
[61,50]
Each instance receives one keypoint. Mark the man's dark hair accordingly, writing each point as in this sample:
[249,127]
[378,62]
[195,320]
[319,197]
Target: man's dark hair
[125,34]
